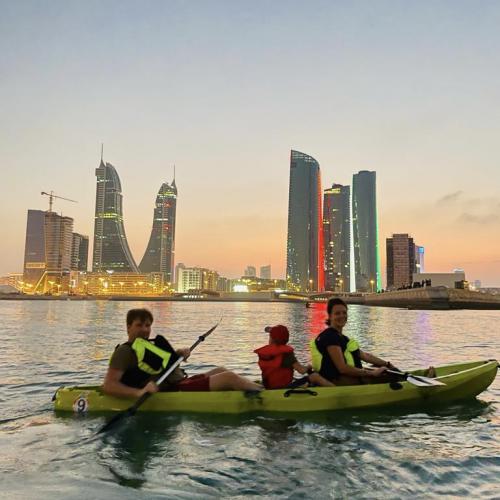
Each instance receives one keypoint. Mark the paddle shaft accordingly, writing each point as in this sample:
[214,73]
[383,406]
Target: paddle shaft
[132,409]
[426,380]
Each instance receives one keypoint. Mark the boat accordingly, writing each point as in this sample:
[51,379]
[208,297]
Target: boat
[460,381]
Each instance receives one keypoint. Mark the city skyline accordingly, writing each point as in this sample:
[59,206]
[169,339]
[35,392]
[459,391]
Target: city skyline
[407,91]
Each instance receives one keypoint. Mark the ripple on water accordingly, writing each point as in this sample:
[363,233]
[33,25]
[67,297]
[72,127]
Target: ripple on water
[449,452]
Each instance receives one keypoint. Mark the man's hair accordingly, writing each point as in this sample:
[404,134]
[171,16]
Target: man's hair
[335,301]
[141,314]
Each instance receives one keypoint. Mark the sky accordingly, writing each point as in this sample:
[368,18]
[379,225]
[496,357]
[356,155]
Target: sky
[224,90]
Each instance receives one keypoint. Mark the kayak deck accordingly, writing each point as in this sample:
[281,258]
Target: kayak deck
[463,381]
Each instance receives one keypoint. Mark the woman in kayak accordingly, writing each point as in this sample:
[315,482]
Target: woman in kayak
[338,358]
[136,364]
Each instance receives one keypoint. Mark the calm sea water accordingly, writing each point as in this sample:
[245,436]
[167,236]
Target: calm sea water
[452,451]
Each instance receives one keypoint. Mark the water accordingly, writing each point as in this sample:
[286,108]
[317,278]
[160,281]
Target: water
[452,451]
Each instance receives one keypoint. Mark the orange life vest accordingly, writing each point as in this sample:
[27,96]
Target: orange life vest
[274,376]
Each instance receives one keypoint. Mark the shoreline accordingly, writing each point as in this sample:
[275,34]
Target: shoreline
[433,298]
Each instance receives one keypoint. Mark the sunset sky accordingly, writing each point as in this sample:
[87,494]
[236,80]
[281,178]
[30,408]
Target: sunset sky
[224,90]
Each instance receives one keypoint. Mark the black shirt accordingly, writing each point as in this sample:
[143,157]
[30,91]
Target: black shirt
[329,337]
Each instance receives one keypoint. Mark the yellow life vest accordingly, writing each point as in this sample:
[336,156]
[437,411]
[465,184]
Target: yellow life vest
[150,358]
[317,357]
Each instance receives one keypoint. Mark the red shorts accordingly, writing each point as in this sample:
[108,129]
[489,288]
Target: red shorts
[195,383]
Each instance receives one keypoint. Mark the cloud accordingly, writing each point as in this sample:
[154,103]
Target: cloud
[468,218]
[450,198]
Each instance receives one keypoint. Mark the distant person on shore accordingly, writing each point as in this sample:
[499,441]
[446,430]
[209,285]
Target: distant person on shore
[338,358]
[277,361]
[136,364]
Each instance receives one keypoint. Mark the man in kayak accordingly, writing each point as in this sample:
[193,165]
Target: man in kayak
[338,358]
[136,364]
[277,361]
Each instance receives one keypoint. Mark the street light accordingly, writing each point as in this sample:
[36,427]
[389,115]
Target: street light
[341,283]
[372,282]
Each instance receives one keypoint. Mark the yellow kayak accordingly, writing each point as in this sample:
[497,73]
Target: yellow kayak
[461,381]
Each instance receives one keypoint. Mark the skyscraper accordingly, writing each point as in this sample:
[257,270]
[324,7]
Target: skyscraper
[58,241]
[159,254]
[337,237]
[34,248]
[111,250]
[47,254]
[365,229]
[400,261]
[79,252]
[305,264]
[265,272]
[250,271]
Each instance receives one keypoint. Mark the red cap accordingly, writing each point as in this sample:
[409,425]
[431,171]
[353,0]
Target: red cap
[278,333]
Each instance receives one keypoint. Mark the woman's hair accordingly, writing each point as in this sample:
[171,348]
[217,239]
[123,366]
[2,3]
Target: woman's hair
[335,301]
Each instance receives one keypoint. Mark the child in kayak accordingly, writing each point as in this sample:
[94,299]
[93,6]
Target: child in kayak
[277,361]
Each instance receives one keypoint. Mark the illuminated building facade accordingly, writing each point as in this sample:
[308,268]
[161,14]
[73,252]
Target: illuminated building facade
[400,261]
[115,284]
[197,279]
[111,250]
[304,268]
[337,238]
[419,259]
[79,252]
[159,254]
[365,229]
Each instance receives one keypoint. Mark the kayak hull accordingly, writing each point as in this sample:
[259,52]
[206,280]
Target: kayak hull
[463,381]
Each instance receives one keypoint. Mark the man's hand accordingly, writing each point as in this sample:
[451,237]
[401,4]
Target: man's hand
[377,372]
[150,387]
[185,352]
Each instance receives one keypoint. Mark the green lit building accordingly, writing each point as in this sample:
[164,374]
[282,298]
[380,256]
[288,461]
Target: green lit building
[365,232]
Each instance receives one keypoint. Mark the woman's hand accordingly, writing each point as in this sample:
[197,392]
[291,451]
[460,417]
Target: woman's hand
[390,366]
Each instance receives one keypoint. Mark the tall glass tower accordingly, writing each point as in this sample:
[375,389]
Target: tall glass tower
[305,263]
[337,238]
[111,250]
[159,254]
[365,229]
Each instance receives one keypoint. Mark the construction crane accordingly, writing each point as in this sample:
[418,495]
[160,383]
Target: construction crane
[51,196]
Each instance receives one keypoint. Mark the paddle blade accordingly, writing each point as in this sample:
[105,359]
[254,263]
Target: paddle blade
[424,381]
[124,414]
[114,421]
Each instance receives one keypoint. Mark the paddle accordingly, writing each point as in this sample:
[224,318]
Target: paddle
[417,380]
[130,411]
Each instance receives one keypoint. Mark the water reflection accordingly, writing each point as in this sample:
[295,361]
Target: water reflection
[429,452]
